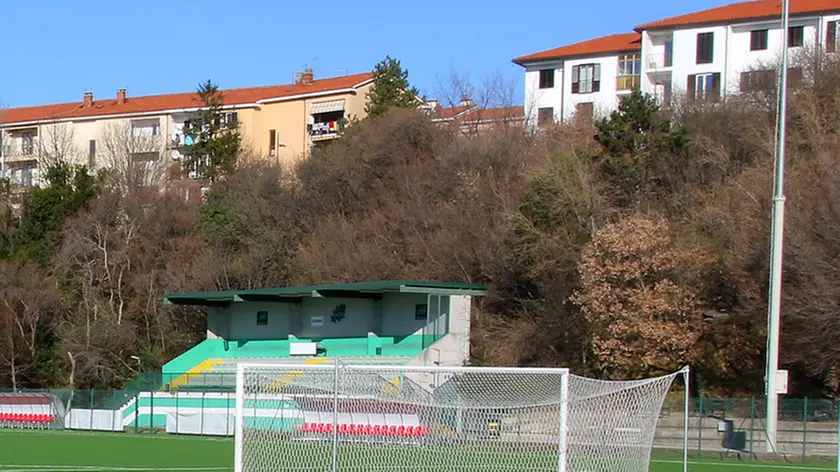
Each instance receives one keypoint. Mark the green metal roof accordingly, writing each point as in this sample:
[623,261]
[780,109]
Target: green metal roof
[353,290]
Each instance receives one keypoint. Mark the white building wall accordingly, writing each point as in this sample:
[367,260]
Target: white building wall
[732,54]
[685,55]
[536,98]
[605,100]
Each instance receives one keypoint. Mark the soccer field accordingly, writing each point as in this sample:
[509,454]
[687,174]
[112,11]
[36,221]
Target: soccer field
[56,451]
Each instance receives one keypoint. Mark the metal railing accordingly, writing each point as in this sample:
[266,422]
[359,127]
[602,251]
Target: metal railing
[658,61]
[807,429]
[628,82]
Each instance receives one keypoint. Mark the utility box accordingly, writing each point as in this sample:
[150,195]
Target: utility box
[732,440]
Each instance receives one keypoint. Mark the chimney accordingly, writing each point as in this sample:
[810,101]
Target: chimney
[88,99]
[466,102]
[307,77]
[120,96]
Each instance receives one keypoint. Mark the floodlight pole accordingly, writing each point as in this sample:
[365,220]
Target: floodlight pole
[777,249]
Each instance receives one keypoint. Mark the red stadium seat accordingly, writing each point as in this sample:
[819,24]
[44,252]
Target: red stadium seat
[401,430]
[342,429]
[377,429]
[420,431]
[392,430]
[368,429]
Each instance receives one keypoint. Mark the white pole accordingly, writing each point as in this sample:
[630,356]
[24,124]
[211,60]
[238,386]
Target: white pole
[775,298]
[239,422]
[562,443]
[686,371]
[335,420]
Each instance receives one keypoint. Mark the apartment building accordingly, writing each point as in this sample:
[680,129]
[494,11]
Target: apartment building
[280,122]
[708,54]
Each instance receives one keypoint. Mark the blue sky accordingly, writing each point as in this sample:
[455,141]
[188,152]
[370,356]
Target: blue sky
[54,50]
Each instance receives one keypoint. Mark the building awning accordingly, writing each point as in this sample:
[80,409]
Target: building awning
[326,107]
[296,294]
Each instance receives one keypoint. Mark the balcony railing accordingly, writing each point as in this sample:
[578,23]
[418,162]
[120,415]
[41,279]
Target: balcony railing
[658,61]
[19,151]
[628,82]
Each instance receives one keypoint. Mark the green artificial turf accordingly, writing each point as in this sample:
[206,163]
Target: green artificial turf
[64,451]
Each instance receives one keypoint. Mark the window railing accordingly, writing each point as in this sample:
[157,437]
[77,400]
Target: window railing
[19,148]
[658,61]
[628,82]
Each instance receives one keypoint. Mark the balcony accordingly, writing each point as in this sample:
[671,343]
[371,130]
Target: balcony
[326,130]
[626,83]
[658,61]
[19,150]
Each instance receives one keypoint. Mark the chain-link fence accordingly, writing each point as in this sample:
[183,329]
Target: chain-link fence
[807,427]
[205,405]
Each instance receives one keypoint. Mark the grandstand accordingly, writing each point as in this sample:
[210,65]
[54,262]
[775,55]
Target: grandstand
[386,322]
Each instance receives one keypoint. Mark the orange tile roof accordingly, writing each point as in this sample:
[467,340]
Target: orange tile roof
[495,114]
[175,101]
[441,113]
[744,11]
[612,43]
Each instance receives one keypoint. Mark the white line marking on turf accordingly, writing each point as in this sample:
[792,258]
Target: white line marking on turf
[754,464]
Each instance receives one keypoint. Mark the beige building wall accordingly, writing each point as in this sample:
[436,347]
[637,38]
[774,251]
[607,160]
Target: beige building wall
[290,120]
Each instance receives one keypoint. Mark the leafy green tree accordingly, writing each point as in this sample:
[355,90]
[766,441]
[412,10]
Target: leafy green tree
[639,146]
[390,88]
[70,188]
[214,140]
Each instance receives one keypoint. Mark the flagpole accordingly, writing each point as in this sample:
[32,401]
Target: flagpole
[777,249]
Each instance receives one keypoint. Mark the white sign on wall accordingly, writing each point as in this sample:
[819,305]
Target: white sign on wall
[317,321]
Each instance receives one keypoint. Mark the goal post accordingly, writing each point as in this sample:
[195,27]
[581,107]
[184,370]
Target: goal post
[339,417]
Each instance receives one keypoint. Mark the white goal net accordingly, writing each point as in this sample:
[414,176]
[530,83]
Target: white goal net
[367,418]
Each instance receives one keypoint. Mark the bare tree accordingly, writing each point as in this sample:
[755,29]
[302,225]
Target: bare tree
[28,302]
[57,144]
[133,157]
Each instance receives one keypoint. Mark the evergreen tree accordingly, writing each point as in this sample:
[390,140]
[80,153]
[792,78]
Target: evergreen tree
[390,88]
[213,138]
[38,231]
[639,146]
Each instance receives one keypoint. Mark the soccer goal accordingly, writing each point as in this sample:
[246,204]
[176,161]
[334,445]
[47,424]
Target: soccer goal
[364,418]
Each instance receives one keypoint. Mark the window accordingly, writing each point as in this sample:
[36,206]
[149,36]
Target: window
[629,68]
[831,36]
[704,86]
[584,111]
[92,153]
[705,48]
[794,78]
[758,40]
[28,143]
[226,118]
[145,156]
[145,128]
[796,36]
[586,78]
[262,318]
[545,116]
[669,53]
[547,78]
[421,312]
[758,80]
[272,142]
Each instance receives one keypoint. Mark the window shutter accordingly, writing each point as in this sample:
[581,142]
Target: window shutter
[716,86]
[692,86]
[743,86]
[575,78]
[831,37]
[596,78]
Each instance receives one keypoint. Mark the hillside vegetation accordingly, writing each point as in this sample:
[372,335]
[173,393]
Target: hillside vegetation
[623,249]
